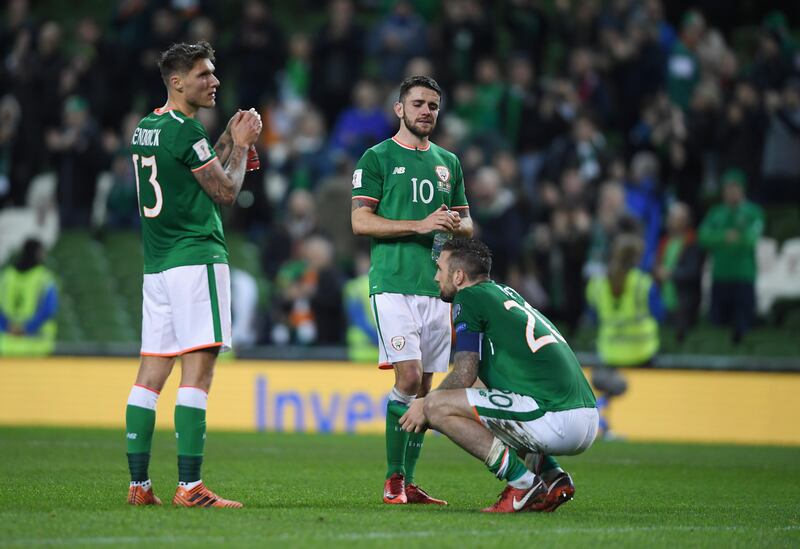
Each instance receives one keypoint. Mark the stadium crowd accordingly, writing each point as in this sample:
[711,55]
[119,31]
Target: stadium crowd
[573,124]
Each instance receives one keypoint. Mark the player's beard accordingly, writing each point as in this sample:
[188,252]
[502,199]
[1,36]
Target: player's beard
[446,296]
[417,130]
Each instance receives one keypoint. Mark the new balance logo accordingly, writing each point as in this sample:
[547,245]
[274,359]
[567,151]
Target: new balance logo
[399,170]
[132,436]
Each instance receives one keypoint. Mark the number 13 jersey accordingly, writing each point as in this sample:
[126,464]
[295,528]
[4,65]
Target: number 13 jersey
[181,224]
[407,183]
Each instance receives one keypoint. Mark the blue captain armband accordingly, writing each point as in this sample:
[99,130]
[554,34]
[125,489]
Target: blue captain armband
[466,339]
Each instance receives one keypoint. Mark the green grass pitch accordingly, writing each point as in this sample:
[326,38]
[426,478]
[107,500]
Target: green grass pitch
[67,487]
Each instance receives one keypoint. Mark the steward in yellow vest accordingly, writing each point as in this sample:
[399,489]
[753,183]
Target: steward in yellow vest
[362,334]
[28,304]
[627,305]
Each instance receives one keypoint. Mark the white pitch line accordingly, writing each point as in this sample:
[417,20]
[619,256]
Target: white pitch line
[355,536]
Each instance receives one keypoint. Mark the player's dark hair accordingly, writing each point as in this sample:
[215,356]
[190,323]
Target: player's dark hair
[417,81]
[470,255]
[181,57]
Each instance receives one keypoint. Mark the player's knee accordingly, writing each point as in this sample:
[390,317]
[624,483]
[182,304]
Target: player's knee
[409,380]
[434,408]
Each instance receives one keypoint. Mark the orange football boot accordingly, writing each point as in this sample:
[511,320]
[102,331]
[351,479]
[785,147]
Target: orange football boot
[394,490]
[515,500]
[200,496]
[139,496]
[415,494]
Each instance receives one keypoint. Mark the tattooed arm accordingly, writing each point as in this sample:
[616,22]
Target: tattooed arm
[223,185]
[224,146]
[465,371]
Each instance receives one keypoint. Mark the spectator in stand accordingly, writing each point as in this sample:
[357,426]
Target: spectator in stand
[360,126]
[584,148]
[310,295]
[527,24]
[9,124]
[77,148]
[679,270]
[28,305]
[467,34]
[643,201]
[399,37]
[589,84]
[497,222]
[741,133]
[730,232]
[570,225]
[683,66]
[337,58]
[780,169]
[260,50]
[611,219]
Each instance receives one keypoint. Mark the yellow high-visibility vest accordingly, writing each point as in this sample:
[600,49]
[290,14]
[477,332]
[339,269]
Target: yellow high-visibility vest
[627,331]
[20,293]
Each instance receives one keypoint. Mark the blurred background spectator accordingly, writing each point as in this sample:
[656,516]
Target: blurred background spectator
[28,304]
[730,232]
[575,122]
[628,308]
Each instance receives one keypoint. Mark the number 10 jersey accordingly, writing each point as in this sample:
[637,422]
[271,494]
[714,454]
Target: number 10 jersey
[407,183]
[181,224]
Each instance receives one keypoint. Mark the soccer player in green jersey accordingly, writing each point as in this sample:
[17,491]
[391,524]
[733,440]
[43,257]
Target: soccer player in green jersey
[408,196]
[181,180]
[536,401]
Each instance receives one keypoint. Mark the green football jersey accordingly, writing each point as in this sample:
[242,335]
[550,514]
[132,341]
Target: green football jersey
[181,224]
[407,183]
[521,351]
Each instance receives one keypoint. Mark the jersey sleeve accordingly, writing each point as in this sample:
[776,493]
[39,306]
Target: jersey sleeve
[467,314]
[459,194]
[192,146]
[368,178]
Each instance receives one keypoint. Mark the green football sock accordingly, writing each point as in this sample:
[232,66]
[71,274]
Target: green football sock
[140,421]
[549,463]
[506,465]
[396,439]
[413,450]
[190,431]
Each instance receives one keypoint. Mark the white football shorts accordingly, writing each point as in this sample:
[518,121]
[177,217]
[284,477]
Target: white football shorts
[185,309]
[413,327]
[518,421]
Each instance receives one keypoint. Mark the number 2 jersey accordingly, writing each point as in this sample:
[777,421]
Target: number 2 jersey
[181,224]
[520,350]
[407,183]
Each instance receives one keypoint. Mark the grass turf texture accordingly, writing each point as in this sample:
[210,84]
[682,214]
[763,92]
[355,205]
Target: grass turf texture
[67,487]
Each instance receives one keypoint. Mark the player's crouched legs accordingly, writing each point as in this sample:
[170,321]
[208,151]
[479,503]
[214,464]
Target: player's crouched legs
[580,429]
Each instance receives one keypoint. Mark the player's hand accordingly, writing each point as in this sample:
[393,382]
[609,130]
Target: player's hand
[414,420]
[440,220]
[246,129]
[233,119]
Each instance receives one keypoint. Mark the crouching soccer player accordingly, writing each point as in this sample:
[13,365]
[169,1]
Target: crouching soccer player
[186,310]
[536,403]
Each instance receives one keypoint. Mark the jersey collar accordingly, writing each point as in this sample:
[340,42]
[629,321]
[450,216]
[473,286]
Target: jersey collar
[412,147]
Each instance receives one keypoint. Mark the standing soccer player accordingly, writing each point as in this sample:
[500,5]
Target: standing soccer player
[181,180]
[408,196]
[536,400]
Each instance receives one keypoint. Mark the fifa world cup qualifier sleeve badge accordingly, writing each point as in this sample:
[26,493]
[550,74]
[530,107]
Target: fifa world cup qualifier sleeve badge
[443,179]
